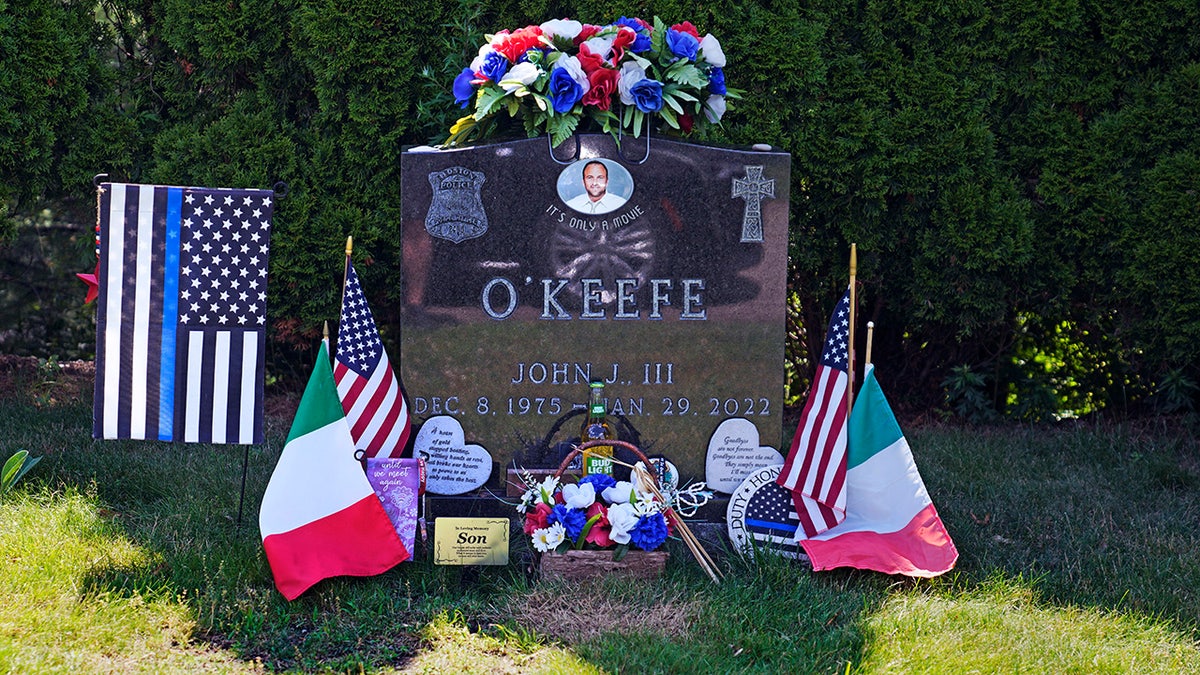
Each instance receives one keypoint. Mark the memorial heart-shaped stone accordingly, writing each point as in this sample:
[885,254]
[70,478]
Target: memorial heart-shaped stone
[452,467]
[734,453]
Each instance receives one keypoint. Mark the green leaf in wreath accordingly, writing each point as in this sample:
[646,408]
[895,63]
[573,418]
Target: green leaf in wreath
[658,39]
[681,94]
[669,116]
[489,99]
[560,128]
[587,528]
[687,74]
[619,552]
[673,105]
[605,119]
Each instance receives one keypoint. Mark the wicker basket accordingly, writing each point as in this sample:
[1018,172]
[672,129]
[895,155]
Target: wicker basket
[592,564]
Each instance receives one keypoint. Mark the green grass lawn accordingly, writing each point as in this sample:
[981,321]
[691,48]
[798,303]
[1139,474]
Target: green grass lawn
[1079,554]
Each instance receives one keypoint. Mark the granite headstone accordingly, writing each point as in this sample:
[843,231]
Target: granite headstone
[524,278]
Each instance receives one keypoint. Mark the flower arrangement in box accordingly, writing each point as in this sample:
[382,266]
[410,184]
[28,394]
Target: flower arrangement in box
[598,512]
[620,77]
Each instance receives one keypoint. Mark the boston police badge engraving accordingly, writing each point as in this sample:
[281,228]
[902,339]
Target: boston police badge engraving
[456,210]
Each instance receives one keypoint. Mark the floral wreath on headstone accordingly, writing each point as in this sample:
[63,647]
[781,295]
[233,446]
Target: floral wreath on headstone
[620,77]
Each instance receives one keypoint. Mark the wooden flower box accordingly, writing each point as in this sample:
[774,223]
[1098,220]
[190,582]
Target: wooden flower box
[576,565]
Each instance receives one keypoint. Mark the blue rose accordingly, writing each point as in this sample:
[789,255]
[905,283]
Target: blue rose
[716,81]
[642,42]
[495,65]
[599,481]
[647,95]
[683,45]
[650,532]
[572,519]
[565,92]
[463,89]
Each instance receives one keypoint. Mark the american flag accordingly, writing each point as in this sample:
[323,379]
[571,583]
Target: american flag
[181,318]
[815,470]
[369,389]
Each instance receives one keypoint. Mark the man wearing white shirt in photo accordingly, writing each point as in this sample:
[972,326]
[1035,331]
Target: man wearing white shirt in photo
[595,199]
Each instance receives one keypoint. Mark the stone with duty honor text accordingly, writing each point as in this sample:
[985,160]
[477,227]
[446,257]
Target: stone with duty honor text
[526,276]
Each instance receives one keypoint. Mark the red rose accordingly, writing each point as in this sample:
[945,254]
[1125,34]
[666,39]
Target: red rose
[587,33]
[625,37]
[603,83]
[535,518]
[513,45]
[686,123]
[589,59]
[687,27]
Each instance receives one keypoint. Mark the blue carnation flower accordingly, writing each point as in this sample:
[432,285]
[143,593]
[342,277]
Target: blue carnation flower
[647,95]
[683,45]
[599,481]
[463,89]
[495,65]
[650,532]
[572,519]
[716,81]
[565,92]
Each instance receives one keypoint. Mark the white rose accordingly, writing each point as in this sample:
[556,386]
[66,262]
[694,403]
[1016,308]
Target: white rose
[710,49]
[631,74]
[618,493]
[622,518]
[520,75]
[562,28]
[575,70]
[714,108]
[579,495]
[600,46]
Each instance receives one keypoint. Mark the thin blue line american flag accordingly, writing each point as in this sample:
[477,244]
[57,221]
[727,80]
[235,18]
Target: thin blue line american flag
[181,317]
[815,469]
[370,391]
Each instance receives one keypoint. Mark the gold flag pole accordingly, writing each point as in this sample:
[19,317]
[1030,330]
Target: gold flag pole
[850,346]
[345,278]
[870,337]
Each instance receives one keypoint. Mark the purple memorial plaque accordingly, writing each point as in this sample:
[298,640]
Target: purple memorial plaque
[397,483]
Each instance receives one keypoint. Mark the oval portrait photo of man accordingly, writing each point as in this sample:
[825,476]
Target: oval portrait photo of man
[595,186]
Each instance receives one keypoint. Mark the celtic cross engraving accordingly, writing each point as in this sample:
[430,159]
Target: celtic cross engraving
[753,188]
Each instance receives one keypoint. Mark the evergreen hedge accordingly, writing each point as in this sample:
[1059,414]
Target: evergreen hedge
[1021,178]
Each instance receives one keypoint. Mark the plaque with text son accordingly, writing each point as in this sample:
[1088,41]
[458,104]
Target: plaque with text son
[527,274]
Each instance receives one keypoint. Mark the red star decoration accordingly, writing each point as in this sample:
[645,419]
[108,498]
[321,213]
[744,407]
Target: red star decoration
[93,283]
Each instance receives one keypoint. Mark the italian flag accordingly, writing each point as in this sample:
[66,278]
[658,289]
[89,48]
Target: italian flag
[319,516]
[891,525]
